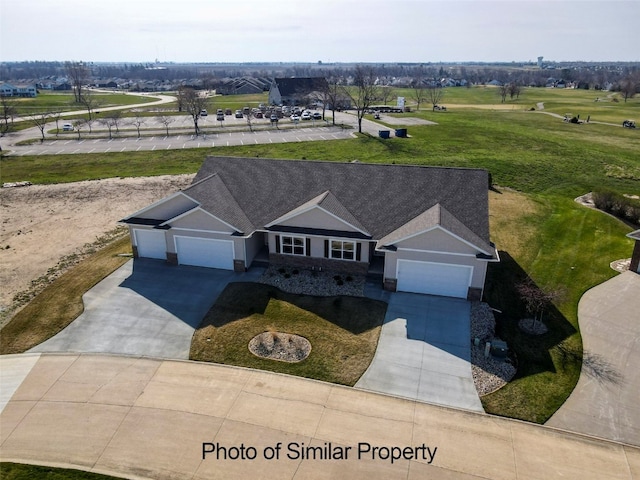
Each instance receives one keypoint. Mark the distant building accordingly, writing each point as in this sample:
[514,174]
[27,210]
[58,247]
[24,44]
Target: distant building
[294,91]
[540,62]
[10,90]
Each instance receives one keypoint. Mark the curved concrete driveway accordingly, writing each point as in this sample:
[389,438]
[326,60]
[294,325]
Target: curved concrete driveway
[424,352]
[145,308]
[606,400]
[147,419]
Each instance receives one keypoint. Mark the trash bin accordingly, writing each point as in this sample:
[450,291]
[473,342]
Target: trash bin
[384,133]
[401,132]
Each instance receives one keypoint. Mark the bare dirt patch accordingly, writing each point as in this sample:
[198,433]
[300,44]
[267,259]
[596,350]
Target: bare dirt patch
[43,223]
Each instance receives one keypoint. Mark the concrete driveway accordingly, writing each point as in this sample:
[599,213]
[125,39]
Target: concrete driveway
[145,308]
[605,400]
[424,352]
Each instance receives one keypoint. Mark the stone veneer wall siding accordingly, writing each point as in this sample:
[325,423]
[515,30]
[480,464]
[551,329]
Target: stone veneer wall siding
[338,266]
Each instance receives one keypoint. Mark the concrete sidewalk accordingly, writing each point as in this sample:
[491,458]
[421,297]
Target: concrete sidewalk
[606,400]
[144,418]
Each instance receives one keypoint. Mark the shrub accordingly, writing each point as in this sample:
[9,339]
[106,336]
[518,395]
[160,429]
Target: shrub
[622,207]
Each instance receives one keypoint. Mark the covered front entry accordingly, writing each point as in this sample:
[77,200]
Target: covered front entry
[431,278]
[205,252]
[150,243]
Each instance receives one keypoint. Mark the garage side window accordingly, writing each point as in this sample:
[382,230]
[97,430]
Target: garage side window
[293,245]
[342,250]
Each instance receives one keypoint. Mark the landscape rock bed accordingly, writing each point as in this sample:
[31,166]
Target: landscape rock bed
[490,373]
[284,347]
[313,282]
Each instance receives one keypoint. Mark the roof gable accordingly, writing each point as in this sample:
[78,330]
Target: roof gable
[163,209]
[327,203]
[256,191]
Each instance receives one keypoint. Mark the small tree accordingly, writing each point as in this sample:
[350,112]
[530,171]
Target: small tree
[536,300]
[40,121]
[166,120]
[193,103]
[364,92]
[9,110]
[434,95]
[57,115]
[137,122]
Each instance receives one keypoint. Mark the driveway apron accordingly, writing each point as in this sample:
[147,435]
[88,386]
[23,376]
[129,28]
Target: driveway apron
[424,352]
[146,308]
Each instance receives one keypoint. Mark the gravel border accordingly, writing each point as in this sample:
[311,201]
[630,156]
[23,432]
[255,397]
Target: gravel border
[313,282]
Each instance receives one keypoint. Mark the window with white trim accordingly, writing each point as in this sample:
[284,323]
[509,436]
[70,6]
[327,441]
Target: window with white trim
[293,245]
[343,250]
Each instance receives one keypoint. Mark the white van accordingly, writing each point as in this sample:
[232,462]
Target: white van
[67,127]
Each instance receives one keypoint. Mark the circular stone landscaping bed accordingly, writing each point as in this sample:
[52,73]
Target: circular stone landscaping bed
[284,347]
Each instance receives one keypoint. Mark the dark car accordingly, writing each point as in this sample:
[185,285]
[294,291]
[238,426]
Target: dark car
[629,124]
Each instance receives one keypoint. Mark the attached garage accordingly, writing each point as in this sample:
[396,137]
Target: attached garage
[150,243]
[205,252]
[434,278]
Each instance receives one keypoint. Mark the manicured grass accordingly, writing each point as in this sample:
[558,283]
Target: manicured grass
[560,245]
[539,230]
[64,101]
[60,303]
[19,471]
[343,331]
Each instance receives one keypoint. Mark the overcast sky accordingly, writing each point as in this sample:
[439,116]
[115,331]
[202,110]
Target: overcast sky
[314,30]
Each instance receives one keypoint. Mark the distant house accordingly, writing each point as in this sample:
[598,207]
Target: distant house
[243,85]
[427,228]
[294,91]
[10,90]
[635,257]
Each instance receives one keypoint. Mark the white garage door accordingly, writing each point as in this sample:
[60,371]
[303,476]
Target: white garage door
[151,243]
[434,278]
[205,252]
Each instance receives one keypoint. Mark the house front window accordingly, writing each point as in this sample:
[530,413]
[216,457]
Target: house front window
[293,245]
[342,250]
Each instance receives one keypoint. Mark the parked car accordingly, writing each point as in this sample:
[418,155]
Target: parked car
[239,114]
[258,114]
[219,112]
[629,124]
[316,115]
[305,116]
[274,118]
[227,111]
[220,117]
[203,113]
[295,118]
[67,127]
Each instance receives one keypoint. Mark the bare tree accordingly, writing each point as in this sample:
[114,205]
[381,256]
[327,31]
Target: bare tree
[9,110]
[90,103]
[537,300]
[166,120]
[514,90]
[364,92]
[386,94]
[57,115]
[78,75]
[110,123]
[193,103]
[418,89]
[334,95]
[434,95]
[629,86]
[137,122]
[503,90]
[78,125]
[40,121]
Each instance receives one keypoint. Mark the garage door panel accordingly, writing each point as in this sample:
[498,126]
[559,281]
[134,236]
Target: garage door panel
[434,278]
[151,243]
[205,252]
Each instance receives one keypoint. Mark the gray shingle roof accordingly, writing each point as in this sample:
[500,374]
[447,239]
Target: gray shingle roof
[249,193]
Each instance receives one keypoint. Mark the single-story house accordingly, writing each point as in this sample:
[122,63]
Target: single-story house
[22,90]
[635,256]
[426,229]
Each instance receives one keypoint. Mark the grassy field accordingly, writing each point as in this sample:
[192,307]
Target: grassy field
[19,471]
[538,163]
[343,331]
[64,101]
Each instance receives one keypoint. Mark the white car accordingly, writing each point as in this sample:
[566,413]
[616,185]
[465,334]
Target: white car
[305,116]
[67,127]
[295,118]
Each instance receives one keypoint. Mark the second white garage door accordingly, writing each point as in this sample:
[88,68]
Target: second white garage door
[434,278]
[205,252]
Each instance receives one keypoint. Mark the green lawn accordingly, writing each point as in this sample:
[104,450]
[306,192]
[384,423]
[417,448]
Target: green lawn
[65,101]
[343,331]
[19,471]
[539,230]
